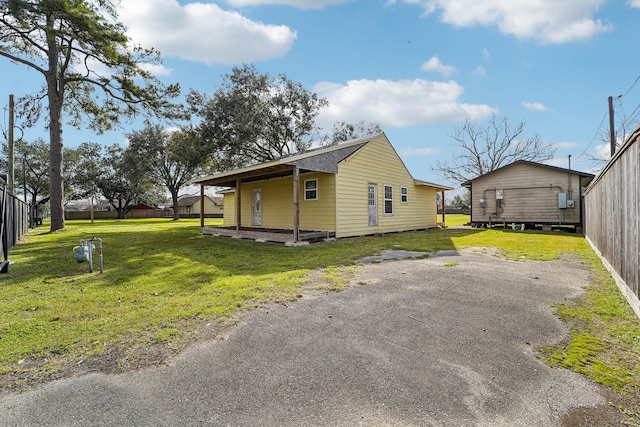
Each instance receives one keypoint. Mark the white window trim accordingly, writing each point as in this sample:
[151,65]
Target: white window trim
[404,195]
[385,199]
[315,189]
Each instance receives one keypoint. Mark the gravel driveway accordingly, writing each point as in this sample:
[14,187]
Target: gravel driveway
[443,341]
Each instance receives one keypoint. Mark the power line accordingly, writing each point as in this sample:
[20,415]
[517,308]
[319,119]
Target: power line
[629,90]
[598,131]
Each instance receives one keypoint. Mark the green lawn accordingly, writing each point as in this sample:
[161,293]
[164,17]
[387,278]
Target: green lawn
[163,280]
[452,220]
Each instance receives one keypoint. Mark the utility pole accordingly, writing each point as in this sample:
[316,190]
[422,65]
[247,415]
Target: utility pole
[612,132]
[10,172]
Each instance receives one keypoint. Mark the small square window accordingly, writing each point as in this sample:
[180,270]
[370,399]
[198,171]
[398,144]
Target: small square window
[311,189]
[404,194]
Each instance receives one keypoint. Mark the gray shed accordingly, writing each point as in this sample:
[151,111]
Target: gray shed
[530,193]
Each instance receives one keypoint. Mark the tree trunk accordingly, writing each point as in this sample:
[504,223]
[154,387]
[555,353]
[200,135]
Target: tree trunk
[55,91]
[174,198]
[55,168]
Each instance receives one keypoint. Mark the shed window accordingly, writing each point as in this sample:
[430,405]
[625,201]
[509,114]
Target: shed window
[388,199]
[311,189]
[404,194]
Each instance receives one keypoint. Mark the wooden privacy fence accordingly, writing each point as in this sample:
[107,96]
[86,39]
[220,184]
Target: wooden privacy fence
[13,223]
[612,208]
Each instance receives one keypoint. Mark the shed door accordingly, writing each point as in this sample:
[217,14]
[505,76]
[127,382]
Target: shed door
[256,202]
[373,204]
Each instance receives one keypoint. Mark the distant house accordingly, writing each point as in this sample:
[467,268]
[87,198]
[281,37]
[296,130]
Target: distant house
[354,188]
[526,192]
[190,206]
[142,207]
[88,205]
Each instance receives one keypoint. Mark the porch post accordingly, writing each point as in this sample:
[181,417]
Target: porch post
[238,204]
[443,205]
[296,203]
[201,206]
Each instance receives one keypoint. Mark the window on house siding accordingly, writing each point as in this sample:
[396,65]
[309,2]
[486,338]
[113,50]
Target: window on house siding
[404,194]
[311,189]
[388,199]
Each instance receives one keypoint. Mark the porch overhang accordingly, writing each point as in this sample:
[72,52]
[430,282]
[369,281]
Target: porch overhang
[230,179]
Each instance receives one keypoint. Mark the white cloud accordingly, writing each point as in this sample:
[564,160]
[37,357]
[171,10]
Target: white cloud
[202,32]
[547,21]
[415,152]
[565,145]
[603,152]
[480,71]
[485,54]
[561,162]
[156,69]
[300,4]
[434,64]
[534,106]
[634,3]
[397,103]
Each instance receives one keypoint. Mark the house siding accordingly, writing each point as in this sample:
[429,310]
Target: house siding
[530,195]
[229,209]
[209,207]
[378,163]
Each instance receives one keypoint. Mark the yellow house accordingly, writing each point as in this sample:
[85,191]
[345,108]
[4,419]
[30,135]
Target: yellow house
[191,205]
[354,188]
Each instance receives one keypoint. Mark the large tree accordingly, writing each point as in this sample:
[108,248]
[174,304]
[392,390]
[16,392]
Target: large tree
[168,157]
[254,118]
[90,71]
[462,201]
[124,183]
[84,171]
[480,150]
[32,170]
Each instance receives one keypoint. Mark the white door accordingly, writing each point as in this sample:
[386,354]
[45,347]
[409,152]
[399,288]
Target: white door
[373,204]
[256,218]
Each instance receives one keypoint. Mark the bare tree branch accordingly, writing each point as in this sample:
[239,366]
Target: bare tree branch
[480,150]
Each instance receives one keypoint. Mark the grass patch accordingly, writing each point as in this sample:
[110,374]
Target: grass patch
[451,220]
[163,280]
[604,339]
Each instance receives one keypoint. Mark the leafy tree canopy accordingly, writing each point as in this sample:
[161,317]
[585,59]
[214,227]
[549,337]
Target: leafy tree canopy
[254,118]
[123,184]
[171,158]
[343,131]
[89,68]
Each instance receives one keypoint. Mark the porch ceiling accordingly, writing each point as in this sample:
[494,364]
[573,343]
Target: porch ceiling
[275,171]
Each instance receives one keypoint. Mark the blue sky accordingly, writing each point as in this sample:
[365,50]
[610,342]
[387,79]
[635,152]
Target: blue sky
[417,67]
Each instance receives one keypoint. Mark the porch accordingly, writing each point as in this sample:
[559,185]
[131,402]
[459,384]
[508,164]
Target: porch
[270,235]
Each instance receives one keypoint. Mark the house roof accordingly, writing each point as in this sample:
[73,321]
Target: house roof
[190,200]
[323,159]
[187,200]
[526,162]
